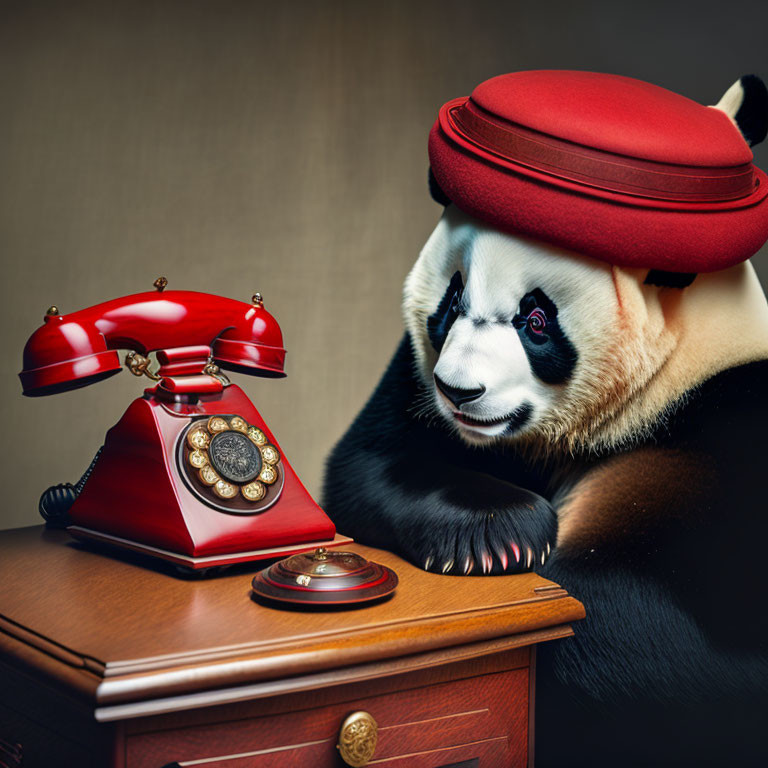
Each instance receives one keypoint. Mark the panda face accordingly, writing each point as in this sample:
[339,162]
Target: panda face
[510,327]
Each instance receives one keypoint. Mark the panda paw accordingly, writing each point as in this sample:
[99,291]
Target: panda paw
[514,537]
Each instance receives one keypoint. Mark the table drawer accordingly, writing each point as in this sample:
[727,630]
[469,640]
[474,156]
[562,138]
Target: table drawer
[490,753]
[478,721]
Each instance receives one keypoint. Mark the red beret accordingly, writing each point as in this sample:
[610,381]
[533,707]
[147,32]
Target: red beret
[609,166]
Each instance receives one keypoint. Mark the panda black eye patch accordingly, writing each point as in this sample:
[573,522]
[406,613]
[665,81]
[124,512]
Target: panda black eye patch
[549,350]
[440,321]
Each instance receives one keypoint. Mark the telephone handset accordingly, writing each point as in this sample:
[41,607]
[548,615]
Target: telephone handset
[190,473]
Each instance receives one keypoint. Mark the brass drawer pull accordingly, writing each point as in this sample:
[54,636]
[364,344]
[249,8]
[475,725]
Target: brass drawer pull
[357,739]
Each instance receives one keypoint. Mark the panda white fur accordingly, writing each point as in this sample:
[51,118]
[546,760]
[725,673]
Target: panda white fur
[606,426]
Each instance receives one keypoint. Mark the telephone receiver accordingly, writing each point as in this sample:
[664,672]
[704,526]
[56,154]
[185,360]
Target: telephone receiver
[191,474]
[189,330]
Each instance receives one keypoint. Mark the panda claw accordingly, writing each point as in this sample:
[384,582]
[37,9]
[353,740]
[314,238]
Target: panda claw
[543,557]
[529,557]
[515,551]
[447,565]
[428,562]
[548,549]
[487,563]
[469,564]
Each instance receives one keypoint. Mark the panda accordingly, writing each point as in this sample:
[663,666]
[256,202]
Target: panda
[606,426]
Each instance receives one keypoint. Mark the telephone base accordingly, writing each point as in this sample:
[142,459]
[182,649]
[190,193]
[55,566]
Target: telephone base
[208,561]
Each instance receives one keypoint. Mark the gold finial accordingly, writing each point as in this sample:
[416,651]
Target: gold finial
[258,299]
[160,283]
[321,553]
[52,310]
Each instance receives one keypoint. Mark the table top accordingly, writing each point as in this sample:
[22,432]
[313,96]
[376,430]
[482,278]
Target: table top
[118,630]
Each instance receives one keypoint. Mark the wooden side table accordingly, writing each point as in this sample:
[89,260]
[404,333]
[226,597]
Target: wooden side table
[106,661]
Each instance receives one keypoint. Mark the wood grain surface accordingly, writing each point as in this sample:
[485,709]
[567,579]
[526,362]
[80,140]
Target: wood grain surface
[411,724]
[117,630]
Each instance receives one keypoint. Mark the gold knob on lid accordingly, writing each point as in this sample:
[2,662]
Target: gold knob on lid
[258,299]
[160,283]
[52,310]
[357,739]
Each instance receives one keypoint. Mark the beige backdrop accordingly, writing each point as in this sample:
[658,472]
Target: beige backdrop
[271,146]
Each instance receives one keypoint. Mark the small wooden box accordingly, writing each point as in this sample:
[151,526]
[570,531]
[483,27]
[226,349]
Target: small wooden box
[107,661]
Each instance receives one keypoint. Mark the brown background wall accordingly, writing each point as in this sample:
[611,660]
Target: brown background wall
[272,146]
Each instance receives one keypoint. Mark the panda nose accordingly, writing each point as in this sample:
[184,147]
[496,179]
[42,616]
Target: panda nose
[457,395]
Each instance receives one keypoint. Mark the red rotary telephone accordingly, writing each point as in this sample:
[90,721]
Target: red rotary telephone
[190,473]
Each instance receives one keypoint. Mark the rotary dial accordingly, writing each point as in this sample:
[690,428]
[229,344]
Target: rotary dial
[232,458]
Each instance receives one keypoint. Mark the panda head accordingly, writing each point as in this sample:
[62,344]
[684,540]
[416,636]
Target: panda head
[520,341]
[508,328]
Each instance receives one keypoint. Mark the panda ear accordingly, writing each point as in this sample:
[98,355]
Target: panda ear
[662,279]
[746,103]
[436,190]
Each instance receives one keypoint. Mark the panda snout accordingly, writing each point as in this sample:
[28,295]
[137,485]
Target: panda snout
[458,395]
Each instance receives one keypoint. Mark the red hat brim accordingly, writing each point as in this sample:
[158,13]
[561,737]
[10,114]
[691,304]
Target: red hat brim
[621,229]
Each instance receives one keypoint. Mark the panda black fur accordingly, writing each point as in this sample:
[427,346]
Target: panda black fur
[634,478]
[746,103]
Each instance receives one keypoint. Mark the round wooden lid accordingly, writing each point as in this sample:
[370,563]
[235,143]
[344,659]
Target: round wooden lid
[325,576]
